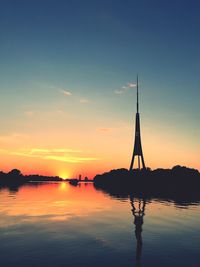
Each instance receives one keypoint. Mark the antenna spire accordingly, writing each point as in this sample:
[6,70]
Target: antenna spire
[137,96]
[137,150]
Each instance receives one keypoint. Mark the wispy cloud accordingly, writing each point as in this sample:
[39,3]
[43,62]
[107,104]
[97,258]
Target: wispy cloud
[66,150]
[51,111]
[124,88]
[29,113]
[130,85]
[119,92]
[84,100]
[14,137]
[58,154]
[65,93]
[70,159]
[104,129]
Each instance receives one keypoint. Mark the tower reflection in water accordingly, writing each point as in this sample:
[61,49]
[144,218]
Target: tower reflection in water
[138,210]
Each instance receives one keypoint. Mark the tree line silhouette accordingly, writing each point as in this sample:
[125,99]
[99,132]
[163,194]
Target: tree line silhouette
[176,183]
[15,178]
[180,183]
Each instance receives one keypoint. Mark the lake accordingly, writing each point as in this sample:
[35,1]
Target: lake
[58,224]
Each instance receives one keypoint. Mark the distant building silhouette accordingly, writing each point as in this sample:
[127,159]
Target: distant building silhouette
[137,151]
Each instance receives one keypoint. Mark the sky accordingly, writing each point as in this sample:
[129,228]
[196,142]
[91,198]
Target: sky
[67,75]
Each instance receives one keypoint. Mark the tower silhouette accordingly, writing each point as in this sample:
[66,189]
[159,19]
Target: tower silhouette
[138,221]
[137,151]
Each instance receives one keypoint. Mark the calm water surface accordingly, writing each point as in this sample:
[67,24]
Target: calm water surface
[56,224]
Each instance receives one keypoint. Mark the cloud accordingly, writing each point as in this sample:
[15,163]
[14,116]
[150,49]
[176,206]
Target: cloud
[70,159]
[23,154]
[60,112]
[125,88]
[84,100]
[58,154]
[104,129]
[39,151]
[3,150]
[13,138]
[65,150]
[131,85]
[65,93]
[29,113]
[119,92]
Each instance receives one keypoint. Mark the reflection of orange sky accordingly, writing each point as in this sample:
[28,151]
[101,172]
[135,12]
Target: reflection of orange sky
[61,202]
[57,201]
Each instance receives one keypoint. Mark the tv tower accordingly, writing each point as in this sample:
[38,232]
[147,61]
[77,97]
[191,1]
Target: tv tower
[137,151]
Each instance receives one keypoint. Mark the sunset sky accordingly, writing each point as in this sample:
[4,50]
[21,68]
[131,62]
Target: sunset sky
[67,70]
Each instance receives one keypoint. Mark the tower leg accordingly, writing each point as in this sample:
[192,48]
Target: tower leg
[143,164]
[138,162]
[132,162]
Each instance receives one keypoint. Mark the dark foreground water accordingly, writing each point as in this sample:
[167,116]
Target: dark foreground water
[56,224]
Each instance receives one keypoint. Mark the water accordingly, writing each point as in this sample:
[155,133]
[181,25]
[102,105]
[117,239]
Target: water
[57,224]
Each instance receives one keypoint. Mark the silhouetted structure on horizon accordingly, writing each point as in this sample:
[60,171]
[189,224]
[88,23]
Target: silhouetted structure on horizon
[137,151]
[178,183]
[15,179]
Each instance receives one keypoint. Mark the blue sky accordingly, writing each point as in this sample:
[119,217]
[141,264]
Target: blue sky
[93,48]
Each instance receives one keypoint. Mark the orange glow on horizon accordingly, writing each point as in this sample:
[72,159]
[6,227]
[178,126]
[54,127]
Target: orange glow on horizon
[64,175]
[89,152]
